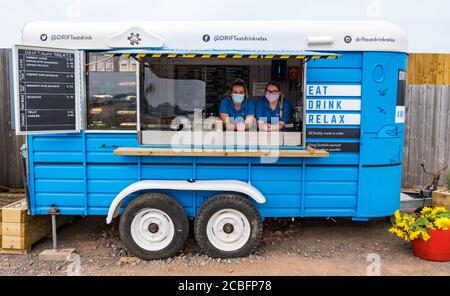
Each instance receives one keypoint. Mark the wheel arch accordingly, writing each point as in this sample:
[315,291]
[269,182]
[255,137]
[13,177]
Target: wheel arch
[203,185]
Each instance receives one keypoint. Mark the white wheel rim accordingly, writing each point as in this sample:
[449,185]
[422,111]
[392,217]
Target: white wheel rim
[152,229]
[228,230]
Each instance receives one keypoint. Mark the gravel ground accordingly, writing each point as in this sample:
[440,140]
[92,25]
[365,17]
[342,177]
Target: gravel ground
[300,247]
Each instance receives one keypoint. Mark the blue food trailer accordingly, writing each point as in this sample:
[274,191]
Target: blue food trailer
[121,119]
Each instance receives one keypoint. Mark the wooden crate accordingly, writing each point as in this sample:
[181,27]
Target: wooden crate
[441,199]
[19,230]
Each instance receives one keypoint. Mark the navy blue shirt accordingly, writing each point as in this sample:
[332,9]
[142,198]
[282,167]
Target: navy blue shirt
[265,113]
[228,107]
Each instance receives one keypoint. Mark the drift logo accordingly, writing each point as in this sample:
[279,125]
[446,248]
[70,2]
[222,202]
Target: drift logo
[134,38]
[43,37]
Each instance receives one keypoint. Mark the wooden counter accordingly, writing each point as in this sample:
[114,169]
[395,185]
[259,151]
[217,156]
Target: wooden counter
[216,152]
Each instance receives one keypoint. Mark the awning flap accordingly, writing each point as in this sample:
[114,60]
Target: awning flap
[235,54]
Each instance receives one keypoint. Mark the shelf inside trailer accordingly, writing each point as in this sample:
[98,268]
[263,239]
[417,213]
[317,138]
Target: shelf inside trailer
[264,152]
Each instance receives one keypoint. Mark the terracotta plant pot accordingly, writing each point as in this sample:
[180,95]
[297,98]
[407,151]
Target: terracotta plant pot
[437,248]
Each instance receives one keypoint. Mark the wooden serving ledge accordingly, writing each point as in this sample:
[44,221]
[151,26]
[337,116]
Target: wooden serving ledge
[310,152]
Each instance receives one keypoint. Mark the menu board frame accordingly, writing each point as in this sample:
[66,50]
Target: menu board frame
[77,89]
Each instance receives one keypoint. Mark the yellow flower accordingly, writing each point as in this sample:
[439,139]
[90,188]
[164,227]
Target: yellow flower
[400,233]
[397,215]
[426,210]
[439,210]
[414,235]
[401,223]
[428,213]
[442,223]
[393,230]
[417,226]
[425,235]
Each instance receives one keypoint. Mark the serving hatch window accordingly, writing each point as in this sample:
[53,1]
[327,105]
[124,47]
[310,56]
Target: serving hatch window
[111,92]
[195,87]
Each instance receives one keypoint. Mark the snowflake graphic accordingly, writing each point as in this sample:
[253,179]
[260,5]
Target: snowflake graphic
[134,38]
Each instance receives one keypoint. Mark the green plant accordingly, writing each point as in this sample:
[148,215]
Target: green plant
[418,225]
[447,179]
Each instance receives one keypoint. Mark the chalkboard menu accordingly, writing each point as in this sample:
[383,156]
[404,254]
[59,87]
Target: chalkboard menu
[46,90]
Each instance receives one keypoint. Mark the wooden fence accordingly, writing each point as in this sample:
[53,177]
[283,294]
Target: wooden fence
[427,129]
[427,132]
[428,68]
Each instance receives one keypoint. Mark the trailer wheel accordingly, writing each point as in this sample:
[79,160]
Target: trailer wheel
[228,225]
[154,226]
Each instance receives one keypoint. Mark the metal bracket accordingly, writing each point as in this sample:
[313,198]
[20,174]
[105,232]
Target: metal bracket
[53,211]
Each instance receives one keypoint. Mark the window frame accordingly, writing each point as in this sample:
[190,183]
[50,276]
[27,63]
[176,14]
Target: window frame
[141,136]
[85,98]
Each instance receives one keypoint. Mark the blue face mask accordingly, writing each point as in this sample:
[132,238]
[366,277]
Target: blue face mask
[238,98]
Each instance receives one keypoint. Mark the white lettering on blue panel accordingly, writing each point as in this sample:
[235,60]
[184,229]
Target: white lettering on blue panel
[333,119]
[321,90]
[333,105]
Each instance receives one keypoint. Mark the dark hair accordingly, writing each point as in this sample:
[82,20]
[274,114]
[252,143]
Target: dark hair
[238,82]
[277,85]
[274,83]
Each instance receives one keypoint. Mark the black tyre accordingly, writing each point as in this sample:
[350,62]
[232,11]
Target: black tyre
[228,225]
[154,226]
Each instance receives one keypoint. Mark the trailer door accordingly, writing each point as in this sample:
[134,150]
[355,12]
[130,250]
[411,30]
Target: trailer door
[46,90]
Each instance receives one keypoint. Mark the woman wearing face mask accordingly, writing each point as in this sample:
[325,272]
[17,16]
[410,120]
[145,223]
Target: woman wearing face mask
[237,110]
[273,111]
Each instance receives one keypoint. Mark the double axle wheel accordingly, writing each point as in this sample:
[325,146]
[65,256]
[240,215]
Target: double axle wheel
[228,225]
[155,226]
